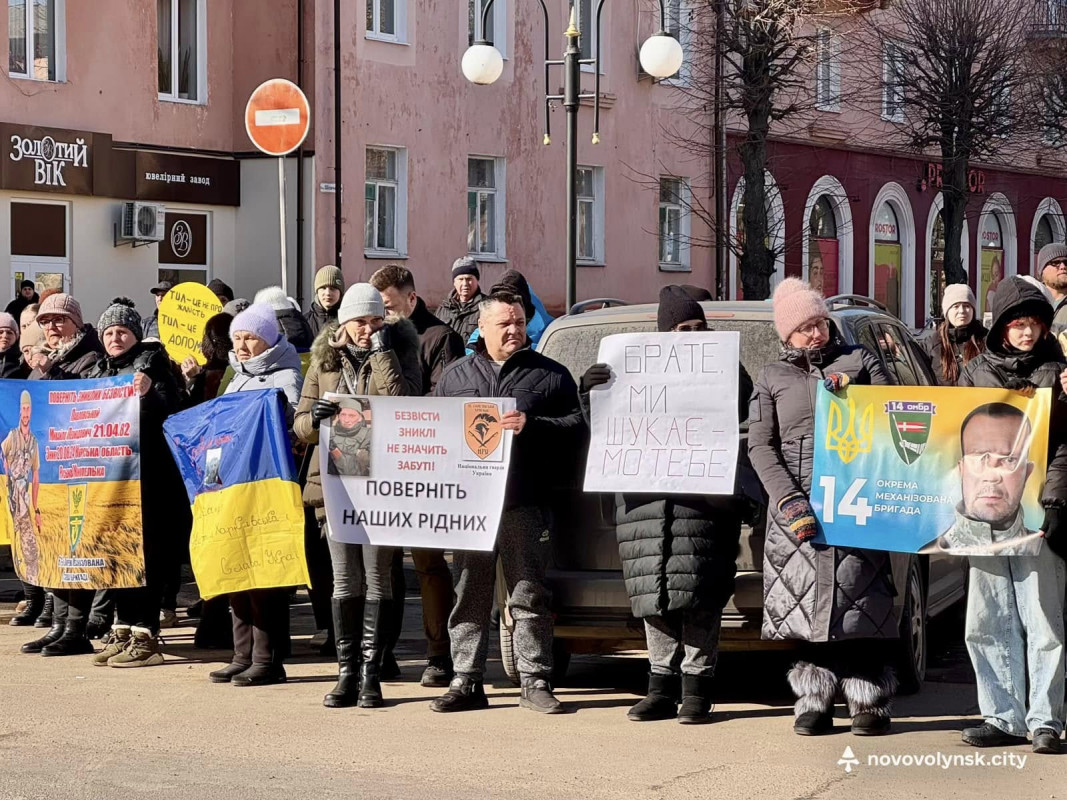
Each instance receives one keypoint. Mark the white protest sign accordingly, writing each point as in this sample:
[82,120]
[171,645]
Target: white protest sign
[425,472]
[667,422]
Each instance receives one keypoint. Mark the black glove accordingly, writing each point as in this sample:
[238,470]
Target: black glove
[1055,530]
[381,340]
[596,375]
[1022,386]
[323,409]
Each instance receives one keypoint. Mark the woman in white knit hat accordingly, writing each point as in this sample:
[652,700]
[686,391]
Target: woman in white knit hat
[362,353]
[958,338]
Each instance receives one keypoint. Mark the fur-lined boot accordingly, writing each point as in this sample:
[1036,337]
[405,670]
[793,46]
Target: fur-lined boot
[815,689]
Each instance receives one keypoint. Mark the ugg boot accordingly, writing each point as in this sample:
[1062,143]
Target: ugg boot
[376,616]
[661,702]
[869,702]
[347,625]
[34,606]
[45,620]
[114,643]
[73,642]
[815,689]
[143,651]
[696,700]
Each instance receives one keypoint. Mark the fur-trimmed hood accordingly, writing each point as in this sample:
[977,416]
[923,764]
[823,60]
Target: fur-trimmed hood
[405,339]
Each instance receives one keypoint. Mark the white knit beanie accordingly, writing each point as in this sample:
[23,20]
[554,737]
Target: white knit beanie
[361,300]
[957,293]
[273,296]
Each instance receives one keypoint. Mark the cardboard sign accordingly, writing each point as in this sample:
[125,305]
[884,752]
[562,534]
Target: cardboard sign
[183,314]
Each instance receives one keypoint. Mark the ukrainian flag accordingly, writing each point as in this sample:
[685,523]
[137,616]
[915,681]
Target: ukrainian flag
[248,518]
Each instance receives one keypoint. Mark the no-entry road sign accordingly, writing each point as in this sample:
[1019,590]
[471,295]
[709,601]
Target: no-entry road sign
[277,117]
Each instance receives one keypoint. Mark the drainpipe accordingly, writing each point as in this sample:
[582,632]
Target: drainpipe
[300,161]
[337,129]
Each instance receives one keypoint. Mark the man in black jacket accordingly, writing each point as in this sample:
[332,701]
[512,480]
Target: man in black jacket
[27,296]
[549,431]
[460,308]
[439,346]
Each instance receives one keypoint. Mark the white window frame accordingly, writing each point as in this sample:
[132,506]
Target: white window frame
[827,71]
[400,23]
[889,49]
[59,33]
[500,24]
[684,217]
[597,259]
[201,56]
[499,194]
[209,248]
[680,25]
[400,235]
[582,28]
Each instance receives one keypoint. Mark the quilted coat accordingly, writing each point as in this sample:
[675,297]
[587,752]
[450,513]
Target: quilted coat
[545,454]
[812,592]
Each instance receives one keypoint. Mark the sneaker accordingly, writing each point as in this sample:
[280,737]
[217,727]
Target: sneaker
[143,651]
[463,694]
[537,696]
[1046,742]
[114,643]
[168,618]
[989,735]
[438,673]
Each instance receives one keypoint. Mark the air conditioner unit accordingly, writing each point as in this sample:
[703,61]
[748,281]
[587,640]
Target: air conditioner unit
[143,222]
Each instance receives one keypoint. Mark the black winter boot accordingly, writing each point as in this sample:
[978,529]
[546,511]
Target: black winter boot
[869,701]
[34,606]
[37,645]
[815,689]
[347,625]
[660,703]
[376,616]
[260,675]
[45,620]
[73,642]
[464,694]
[696,700]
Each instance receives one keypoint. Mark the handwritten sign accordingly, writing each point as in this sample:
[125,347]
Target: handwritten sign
[183,314]
[667,422]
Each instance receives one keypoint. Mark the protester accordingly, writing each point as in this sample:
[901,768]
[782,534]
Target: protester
[151,325]
[221,290]
[363,354]
[10,354]
[262,358]
[74,350]
[839,599]
[203,382]
[133,641]
[33,347]
[27,295]
[549,431]
[329,286]
[439,346]
[460,308]
[1052,261]
[28,316]
[958,338]
[290,320]
[1015,602]
[679,556]
[537,318]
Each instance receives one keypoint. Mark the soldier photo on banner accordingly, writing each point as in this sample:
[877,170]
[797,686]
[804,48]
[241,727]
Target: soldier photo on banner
[350,440]
[924,469]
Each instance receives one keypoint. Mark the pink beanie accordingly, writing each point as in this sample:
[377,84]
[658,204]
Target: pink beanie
[795,303]
[8,321]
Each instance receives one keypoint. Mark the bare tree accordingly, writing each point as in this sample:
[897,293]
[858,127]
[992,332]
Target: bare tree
[1047,66]
[952,74]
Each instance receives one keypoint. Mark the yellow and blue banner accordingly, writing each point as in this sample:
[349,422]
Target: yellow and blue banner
[248,517]
[936,469]
[71,483]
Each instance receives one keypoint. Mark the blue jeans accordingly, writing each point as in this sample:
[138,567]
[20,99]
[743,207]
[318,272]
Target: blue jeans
[1014,634]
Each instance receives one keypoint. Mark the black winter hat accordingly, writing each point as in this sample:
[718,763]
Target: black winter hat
[217,343]
[698,293]
[1015,298]
[675,307]
[514,282]
[220,289]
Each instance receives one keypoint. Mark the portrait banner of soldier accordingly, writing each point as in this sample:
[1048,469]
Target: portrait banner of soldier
[931,469]
[71,482]
[415,471]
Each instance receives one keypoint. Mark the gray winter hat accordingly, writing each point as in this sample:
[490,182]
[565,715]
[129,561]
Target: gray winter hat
[121,312]
[361,300]
[1053,251]
[236,306]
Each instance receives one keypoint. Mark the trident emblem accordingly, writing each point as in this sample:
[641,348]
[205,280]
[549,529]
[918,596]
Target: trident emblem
[844,439]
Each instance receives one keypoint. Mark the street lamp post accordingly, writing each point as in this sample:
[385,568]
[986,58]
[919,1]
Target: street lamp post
[661,57]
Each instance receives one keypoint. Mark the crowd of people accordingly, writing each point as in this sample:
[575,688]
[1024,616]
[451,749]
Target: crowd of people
[678,552]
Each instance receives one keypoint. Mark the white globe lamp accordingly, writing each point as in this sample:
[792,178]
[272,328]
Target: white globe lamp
[482,64]
[661,55]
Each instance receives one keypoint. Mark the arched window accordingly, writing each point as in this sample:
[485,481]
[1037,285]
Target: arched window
[823,248]
[887,258]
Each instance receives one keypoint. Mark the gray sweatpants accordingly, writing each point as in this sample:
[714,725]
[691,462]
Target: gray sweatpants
[522,546]
[685,641]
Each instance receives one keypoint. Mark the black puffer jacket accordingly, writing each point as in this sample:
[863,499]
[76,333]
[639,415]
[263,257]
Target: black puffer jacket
[812,592]
[1004,367]
[679,552]
[957,337]
[75,360]
[462,317]
[11,365]
[318,317]
[295,328]
[439,345]
[555,431]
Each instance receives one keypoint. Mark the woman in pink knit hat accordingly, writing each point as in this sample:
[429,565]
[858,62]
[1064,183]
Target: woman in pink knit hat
[838,599]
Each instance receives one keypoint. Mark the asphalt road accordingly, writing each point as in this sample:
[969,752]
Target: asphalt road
[71,730]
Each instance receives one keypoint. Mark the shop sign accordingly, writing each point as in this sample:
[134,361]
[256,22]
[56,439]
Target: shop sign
[46,159]
[173,178]
[934,179]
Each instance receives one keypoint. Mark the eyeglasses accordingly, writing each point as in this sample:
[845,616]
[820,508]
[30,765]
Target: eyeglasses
[696,325]
[992,462]
[51,322]
[818,326]
[1059,262]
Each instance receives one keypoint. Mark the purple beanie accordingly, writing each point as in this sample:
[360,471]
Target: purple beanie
[259,320]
